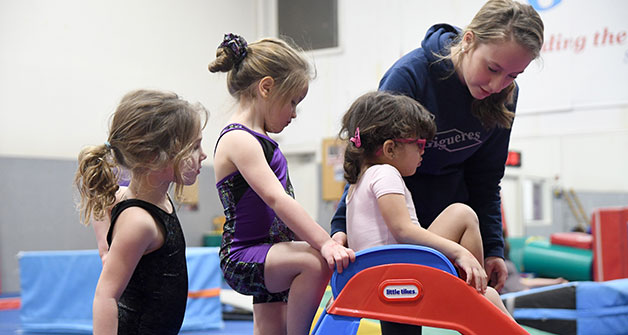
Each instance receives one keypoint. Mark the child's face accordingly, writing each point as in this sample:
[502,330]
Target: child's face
[490,67]
[278,119]
[191,166]
[408,157]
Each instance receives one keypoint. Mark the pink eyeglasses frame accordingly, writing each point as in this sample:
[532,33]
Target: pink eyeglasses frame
[419,141]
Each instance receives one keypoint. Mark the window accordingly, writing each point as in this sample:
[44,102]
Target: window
[312,24]
[535,200]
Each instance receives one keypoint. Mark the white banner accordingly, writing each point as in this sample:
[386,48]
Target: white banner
[584,61]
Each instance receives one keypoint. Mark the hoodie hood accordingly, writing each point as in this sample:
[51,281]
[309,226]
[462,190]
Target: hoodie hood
[437,40]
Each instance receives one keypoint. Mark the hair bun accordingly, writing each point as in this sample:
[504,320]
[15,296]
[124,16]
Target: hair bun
[237,44]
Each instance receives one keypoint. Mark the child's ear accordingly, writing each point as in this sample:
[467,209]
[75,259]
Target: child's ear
[388,149]
[265,86]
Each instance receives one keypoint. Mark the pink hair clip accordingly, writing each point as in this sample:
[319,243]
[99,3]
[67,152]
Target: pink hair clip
[356,138]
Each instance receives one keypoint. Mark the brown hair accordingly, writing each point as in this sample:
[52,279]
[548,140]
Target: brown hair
[500,21]
[266,57]
[381,116]
[148,131]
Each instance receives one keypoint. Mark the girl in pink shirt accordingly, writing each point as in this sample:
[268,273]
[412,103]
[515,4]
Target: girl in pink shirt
[387,140]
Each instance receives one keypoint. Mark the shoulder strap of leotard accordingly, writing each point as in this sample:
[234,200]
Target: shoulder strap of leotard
[267,146]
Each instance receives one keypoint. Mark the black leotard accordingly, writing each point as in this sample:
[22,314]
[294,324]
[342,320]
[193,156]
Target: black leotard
[154,300]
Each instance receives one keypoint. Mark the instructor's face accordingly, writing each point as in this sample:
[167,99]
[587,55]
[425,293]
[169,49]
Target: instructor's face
[490,67]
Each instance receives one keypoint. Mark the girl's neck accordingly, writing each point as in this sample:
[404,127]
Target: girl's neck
[365,166]
[150,190]
[250,116]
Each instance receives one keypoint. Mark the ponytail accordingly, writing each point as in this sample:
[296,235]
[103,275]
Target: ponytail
[353,162]
[97,182]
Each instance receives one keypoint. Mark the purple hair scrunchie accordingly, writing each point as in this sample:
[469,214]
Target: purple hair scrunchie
[237,44]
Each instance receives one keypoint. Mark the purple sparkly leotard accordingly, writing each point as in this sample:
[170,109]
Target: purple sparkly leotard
[251,227]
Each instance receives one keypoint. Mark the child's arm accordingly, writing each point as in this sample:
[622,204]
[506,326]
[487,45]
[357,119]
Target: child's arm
[101,228]
[395,212]
[135,234]
[249,160]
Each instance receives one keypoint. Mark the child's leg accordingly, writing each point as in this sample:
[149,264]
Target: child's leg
[459,223]
[302,269]
[494,297]
[269,318]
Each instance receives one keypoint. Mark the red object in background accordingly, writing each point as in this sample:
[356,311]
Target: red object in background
[573,239]
[610,243]
[514,159]
[10,303]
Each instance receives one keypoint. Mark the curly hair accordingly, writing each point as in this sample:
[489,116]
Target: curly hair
[149,130]
[381,116]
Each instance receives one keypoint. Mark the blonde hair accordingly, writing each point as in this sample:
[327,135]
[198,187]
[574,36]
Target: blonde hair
[501,21]
[381,116]
[272,57]
[148,131]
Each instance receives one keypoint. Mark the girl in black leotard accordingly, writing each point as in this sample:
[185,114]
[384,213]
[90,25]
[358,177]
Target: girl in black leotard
[143,285]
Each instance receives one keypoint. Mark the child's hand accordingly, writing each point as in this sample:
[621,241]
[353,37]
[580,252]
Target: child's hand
[336,254]
[475,274]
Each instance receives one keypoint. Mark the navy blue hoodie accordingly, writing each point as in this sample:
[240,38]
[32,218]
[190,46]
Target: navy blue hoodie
[465,161]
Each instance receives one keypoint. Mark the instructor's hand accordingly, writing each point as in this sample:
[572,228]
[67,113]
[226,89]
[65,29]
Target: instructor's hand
[340,237]
[496,270]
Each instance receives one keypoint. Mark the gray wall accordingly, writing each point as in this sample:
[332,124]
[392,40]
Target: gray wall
[38,212]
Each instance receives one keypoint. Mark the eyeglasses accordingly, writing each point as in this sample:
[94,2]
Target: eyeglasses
[420,142]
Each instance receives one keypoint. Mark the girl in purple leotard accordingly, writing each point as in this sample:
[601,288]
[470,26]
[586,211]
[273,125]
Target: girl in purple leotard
[259,254]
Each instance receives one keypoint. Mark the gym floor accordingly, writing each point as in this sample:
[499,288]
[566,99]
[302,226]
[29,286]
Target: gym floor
[10,325]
